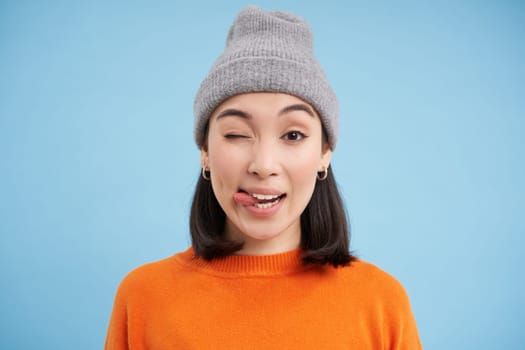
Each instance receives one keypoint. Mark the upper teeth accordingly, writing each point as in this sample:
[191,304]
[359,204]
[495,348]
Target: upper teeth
[265,196]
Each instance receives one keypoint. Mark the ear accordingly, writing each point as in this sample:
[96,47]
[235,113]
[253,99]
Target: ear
[326,157]
[204,158]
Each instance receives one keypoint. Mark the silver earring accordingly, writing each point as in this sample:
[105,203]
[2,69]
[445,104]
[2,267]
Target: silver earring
[205,174]
[322,175]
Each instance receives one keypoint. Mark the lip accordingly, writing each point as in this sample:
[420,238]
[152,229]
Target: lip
[260,190]
[264,212]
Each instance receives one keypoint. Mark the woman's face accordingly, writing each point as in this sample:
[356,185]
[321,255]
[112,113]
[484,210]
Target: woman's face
[263,152]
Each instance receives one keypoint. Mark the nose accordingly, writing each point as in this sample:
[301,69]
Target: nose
[264,160]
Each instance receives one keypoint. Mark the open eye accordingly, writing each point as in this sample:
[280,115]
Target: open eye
[294,135]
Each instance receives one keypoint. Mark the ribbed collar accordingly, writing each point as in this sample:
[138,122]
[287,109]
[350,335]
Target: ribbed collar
[245,265]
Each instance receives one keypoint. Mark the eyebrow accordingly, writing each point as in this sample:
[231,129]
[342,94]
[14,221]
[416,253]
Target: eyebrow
[297,107]
[234,113]
[245,115]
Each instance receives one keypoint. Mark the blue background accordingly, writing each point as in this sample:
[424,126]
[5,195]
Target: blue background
[98,164]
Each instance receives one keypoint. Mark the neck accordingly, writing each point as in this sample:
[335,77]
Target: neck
[267,247]
[285,241]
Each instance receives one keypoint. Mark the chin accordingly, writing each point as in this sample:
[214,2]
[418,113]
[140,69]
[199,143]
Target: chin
[262,236]
[265,233]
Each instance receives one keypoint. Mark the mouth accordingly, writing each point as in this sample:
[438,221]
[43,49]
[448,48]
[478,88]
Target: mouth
[258,200]
[265,201]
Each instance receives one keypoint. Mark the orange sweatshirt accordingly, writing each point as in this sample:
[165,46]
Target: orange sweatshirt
[259,302]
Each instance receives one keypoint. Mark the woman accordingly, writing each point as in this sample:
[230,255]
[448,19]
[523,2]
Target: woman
[269,266]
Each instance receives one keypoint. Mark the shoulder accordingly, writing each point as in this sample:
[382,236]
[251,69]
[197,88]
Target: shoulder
[381,304]
[150,277]
[371,274]
[148,271]
[375,285]
[386,298]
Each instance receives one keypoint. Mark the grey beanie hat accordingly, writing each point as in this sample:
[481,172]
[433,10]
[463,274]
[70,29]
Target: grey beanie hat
[267,52]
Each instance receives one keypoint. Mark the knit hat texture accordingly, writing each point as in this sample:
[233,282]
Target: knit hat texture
[267,52]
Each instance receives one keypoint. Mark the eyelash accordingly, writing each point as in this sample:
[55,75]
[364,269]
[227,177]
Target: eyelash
[298,134]
[233,136]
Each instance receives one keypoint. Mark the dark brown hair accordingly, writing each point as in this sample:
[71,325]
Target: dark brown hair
[325,232]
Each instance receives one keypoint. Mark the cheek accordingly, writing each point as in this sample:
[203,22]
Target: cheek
[306,176]
[221,164]
[303,173]
[305,162]
[224,170]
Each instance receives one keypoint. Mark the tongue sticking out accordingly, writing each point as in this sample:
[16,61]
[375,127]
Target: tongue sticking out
[244,198]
